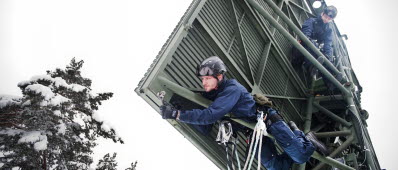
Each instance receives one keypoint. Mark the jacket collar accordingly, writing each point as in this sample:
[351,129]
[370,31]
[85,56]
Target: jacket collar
[221,84]
[319,21]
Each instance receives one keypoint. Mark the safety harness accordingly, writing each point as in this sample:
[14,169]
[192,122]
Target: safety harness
[223,137]
[225,134]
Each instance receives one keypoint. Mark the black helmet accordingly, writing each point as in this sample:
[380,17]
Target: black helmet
[331,11]
[211,66]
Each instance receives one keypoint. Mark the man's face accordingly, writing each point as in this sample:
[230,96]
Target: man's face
[209,83]
[326,18]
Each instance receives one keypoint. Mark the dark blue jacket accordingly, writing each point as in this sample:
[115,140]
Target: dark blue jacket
[232,97]
[315,29]
[229,97]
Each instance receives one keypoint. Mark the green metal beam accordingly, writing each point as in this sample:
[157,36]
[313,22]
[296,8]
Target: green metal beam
[177,36]
[295,109]
[267,36]
[284,97]
[332,134]
[263,63]
[289,8]
[241,42]
[318,127]
[224,52]
[369,159]
[298,6]
[255,21]
[331,161]
[329,98]
[332,115]
[352,107]
[308,117]
[205,103]
[188,133]
[343,146]
[183,92]
[304,38]
[280,5]
[282,30]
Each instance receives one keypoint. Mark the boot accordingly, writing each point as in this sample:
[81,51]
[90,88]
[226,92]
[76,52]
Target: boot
[341,78]
[293,126]
[320,147]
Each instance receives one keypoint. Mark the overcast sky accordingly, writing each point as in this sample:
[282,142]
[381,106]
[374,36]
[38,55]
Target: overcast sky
[119,39]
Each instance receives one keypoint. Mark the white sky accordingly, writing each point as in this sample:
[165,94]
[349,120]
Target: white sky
[119,39]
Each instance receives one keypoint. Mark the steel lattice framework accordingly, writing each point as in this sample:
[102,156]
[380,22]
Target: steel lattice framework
[255,39]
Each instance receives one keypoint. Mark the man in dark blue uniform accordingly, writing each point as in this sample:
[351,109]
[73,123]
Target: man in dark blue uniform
[231,97]
[319,31]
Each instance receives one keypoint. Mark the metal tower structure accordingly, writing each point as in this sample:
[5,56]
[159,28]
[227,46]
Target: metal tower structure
[255,39]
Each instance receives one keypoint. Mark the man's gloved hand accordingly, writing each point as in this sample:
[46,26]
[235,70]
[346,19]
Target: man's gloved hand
[168,111]
[262,100]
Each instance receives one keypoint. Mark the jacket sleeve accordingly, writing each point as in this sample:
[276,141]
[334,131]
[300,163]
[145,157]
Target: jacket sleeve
[308,27]
[222,105]
[327,46]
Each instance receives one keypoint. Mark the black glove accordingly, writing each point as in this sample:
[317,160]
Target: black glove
[168,111]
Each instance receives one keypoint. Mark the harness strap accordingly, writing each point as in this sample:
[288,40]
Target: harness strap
[223,135]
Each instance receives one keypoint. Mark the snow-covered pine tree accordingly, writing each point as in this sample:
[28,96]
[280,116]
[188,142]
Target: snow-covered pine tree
[55,124]
[107,163]
[133,166]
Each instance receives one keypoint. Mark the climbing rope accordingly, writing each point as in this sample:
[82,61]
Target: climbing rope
[224,134]
[257,136]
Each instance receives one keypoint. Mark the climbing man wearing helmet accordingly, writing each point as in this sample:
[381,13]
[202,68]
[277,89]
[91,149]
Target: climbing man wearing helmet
[229,96]
[319,30]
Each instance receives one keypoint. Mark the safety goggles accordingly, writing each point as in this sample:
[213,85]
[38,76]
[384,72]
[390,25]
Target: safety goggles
[205,71]
[330,14]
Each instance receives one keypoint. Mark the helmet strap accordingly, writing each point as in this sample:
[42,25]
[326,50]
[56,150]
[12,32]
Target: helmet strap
[218,80]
